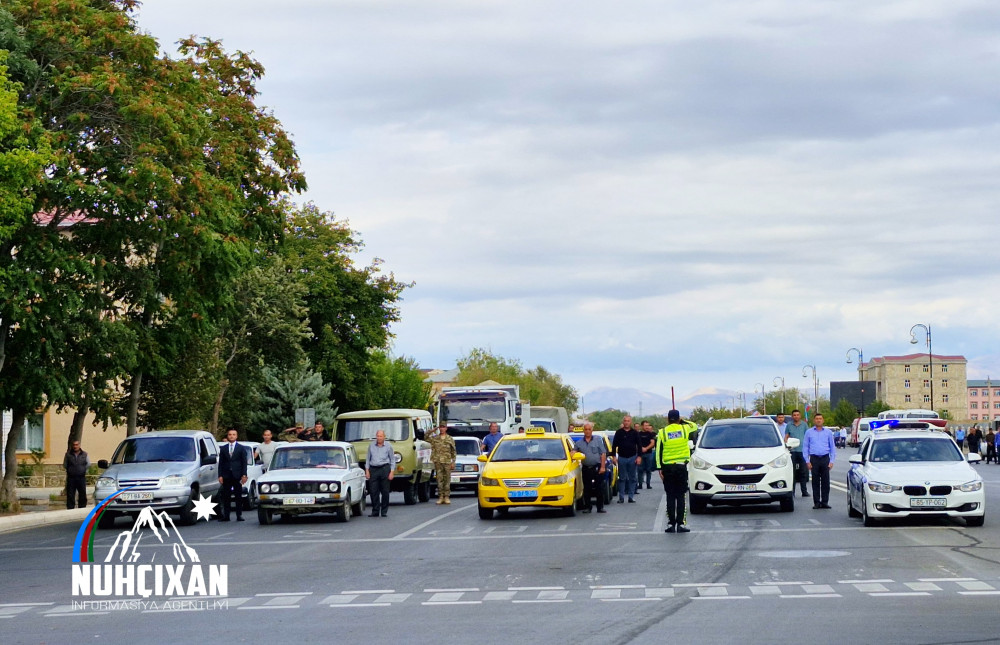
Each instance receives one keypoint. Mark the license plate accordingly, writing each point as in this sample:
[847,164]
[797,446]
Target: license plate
[136,497]
[298,500]
[740,488]
[523,493]
[928,502]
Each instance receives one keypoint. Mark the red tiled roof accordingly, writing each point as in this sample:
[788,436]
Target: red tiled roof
[44,218]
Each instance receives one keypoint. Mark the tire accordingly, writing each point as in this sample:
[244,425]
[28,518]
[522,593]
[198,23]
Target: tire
[866,519]
[107,520]
[787,504]
[608,492]
[265,516]
[359,508]
[410,494]
[187,515]
[344,512]
[976,520]
[698,505]
[424,491]
[851,511]
[570,511]
[251,501]
[485,513]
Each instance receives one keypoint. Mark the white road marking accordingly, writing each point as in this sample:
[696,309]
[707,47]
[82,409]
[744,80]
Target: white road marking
[661,514]
[979,593]
[534,588]
[283,593]
[765,590]
[700,584]
[722,597]
[604,594]
[370,591]
[817,589]
[815,522]
[975,585]
[528,602]
[458,590]
[945,579]
[784,584]
[811,595]
[456,602]
[423,525]
[617,586]
[342,599]
[861,582]
[221,535]
[922,586]
[445,597]
[365,604]
[900,593]
[552,595]
[870,587]
[500,595]
[659,592]
[392,597]
[630,599]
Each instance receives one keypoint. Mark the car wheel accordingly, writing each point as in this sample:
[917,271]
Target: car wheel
[975,520]
[187,516]
[485,513]
[570,511]
[344,512]
[866,519]
[265,516]
[359,508]
[851,511]
[424,492]
[608,492]
[698,505]
[788,504]
[107,520]
[410,494]
[251,500]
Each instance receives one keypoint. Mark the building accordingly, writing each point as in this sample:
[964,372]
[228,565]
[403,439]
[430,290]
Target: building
[440,379]
[984,400]
[905,382]
[48,433]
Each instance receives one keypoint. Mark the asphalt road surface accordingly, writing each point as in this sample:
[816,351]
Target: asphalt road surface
[430,573]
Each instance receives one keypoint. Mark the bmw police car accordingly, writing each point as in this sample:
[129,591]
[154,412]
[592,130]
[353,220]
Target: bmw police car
[907,468]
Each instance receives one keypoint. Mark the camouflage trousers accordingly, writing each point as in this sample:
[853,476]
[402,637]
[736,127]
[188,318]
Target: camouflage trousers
[443,472]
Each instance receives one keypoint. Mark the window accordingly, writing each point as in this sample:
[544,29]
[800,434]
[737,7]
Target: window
[906,368]
[944,382]
[996,392]
[973,393]
[944,367]
[906,383]
[925,367]
[996,405]
[927,398]
[986,417]
[927,382]
[906,398]
[32,437]
[974,405]
[975,417]
[944,398]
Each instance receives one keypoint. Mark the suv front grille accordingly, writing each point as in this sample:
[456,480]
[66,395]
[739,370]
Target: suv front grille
[139,483]
[522,483]
[915,490]
[739,467]
[740,479]
[940,490]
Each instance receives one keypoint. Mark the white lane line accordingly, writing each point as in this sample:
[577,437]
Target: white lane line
[765,590]
[811,595]
[616,587]
[422,526]
[892,594]
[700,584]
[369,591]
[661,514]
[922,586]
[535,588]
[722,597]
[534,602]
[362,604]
[221,535]
[284,593]
[456,602]
[863,582]
[552,595]
[629,599]
[815,589]
[392,597]
[870,587]
[500,595]
[784,583]
[342,599]
[446,597]
[976,585]
[457,590]
[979,593]
[605,594]
[945,579]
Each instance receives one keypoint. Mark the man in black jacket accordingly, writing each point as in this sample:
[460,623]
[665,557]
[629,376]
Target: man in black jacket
[232,475]
[625,449]
[76,463]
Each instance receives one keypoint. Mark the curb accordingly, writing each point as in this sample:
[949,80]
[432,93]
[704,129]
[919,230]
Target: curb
[42,518]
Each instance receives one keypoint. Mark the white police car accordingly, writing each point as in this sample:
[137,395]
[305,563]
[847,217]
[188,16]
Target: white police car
[906,468]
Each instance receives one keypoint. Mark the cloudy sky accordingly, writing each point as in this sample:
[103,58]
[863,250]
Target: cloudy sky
[650,193]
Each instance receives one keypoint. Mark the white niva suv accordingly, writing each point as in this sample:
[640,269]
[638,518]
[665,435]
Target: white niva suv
[741,461]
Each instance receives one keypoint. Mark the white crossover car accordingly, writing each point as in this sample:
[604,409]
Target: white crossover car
[900,473]
[741,461]
[312,477]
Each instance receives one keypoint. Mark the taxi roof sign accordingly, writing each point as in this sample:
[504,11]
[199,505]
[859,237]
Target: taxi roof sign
[535,430]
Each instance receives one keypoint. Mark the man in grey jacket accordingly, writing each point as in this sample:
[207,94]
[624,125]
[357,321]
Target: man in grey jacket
[76,463]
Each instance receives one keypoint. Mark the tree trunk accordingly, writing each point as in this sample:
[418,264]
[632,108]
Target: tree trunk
[76,428]
[133,403]
[9,502]
[217,407]
[4,329]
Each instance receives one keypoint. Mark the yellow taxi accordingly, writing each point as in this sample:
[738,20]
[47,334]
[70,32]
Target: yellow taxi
[536,468]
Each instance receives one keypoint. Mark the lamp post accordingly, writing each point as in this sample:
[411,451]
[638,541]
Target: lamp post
[930,355]
[763,396]
[861,359]
[782,379]
[815,386]
[742,397]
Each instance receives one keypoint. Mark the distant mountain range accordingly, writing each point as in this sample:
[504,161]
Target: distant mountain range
[638,402]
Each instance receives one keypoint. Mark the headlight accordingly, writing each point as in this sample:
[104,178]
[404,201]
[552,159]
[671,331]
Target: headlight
[398,457]
[488,481]
[971,487]
[323,488]
[269,488]
[879,487]
[561,479]
[334,487]
[700,464]
[474,468]
[105,482]
[780,462]
[174,480]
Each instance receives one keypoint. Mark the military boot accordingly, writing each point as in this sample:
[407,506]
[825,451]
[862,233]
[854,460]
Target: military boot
[447,500]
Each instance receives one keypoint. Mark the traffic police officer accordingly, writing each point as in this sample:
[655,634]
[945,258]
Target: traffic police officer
[673,451]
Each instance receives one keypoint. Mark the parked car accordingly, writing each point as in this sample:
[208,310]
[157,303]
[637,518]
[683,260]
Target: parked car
[312,477]
[165,470]
[255,468]
[741,461]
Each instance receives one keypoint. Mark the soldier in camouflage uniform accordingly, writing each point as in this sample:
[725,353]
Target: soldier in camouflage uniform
[443,456]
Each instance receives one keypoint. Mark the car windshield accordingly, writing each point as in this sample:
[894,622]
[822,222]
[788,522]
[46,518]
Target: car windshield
[308,458]
[530,450]
[740,435]
[477,409]
[550,426]
[900,449]
[463,447]
[361,429]
[135,451]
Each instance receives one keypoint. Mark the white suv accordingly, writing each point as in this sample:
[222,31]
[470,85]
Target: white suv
[741,461]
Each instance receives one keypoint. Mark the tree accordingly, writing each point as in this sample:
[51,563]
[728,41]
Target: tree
[782,400]
[397,382]
[876,406]
[610,419]
[285,391]
[700,414]
[537,385]
[843,415]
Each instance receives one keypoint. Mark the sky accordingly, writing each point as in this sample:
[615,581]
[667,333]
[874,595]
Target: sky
[650,193]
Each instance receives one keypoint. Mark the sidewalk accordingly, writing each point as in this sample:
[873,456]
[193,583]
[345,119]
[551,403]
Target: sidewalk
[29,519]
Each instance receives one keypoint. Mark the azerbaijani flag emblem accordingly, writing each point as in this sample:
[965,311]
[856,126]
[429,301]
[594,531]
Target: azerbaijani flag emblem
[83,547]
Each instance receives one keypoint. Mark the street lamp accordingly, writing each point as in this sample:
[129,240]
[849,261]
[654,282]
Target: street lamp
[930,354]
[782,379]
[815,386]
[763,395]
[743,401]
[861,359]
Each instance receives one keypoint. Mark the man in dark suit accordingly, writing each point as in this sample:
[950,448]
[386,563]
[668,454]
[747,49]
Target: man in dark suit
[232,475]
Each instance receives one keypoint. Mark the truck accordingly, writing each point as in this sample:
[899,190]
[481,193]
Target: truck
[551,417]
[469,410]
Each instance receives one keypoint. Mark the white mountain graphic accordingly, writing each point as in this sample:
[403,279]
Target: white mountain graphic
[161,527]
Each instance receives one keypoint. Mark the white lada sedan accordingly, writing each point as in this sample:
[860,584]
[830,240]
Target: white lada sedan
[312,477]
[900,473]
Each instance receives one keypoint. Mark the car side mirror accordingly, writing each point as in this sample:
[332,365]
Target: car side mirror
[103,464]
[792,443]
[419,434]
[856,459]
[974,457]
[579,456]
[209,460]
[482,458]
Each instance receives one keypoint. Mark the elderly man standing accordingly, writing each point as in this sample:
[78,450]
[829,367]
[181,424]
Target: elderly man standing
[595,453]
[76,463]
[378,471]
[443,453]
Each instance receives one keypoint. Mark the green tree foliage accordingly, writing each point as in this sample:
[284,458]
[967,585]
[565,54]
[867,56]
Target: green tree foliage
[397,382]
[183,395]
[538,385]
[350,307]
[610,419]
[843,414]
[873,408]
[782,400]
[284,391]
[701,414]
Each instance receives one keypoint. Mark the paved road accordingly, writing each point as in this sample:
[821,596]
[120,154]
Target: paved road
[439,574]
